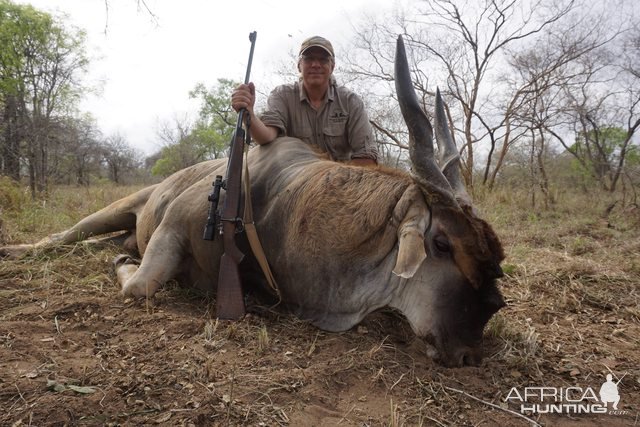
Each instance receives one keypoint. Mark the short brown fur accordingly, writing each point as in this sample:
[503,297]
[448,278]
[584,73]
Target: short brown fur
[347,219]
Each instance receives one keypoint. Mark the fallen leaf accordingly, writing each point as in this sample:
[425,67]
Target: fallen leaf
[55,386]
[59,387]
[83,390]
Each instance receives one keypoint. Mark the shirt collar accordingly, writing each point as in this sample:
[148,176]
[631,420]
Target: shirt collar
[331,92]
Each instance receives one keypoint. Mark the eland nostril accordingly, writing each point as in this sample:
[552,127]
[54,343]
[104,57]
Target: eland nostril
[494,270]
[471,358]
[461,358]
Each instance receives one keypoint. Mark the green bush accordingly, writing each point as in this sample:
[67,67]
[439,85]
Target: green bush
[12,195]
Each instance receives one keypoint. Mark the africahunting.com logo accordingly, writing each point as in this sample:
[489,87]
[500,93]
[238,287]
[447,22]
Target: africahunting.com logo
[568,400]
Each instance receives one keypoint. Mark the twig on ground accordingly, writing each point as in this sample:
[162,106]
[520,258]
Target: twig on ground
[233,379]
[435,421]
[344,417]
[20,394]
[464,393]
[396,383]
[55,319]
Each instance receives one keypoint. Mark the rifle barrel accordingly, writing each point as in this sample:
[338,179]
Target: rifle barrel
[252,38]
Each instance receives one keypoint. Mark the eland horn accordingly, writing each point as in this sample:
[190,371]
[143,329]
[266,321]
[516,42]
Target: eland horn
[421,152]
[449,158]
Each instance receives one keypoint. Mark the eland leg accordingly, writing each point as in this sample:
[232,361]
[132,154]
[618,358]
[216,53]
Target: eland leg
[162,261]
[121,215]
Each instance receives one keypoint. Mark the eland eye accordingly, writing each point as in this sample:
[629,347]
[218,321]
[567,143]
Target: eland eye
[442,244]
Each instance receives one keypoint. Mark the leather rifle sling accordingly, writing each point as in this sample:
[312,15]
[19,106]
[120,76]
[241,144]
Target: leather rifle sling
[250,228]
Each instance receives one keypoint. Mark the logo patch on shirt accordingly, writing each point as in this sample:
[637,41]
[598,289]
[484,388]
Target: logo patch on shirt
[338,117]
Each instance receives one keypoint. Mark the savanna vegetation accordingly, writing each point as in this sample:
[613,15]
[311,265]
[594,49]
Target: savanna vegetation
[543,97]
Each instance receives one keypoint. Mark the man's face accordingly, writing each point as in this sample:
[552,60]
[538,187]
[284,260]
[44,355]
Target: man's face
[316,67]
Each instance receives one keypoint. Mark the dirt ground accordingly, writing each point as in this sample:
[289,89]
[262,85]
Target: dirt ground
[73,352]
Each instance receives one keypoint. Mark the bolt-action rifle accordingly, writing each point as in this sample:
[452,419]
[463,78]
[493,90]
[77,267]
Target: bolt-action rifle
[229,298]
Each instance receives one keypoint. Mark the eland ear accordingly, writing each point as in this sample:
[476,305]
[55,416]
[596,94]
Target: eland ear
[411,252]
[415,216]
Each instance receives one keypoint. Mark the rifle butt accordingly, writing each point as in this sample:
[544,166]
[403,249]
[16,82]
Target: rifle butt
[229,299]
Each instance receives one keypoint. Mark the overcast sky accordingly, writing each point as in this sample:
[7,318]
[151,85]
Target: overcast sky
[148,67]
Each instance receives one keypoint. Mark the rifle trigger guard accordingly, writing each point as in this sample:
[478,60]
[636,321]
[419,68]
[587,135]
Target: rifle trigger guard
[239,223]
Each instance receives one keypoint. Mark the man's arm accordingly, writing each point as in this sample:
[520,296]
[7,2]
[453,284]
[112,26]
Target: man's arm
[261,133]
[363,162]
[244,96]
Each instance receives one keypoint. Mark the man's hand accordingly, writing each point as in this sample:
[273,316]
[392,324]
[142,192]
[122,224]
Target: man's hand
[363,162]
[244,96]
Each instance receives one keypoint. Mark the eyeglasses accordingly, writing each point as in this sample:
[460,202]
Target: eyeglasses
[310,59]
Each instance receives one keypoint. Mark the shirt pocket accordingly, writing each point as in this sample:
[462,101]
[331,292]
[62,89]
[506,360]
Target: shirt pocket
[335,136]
[304,132]
[335,130]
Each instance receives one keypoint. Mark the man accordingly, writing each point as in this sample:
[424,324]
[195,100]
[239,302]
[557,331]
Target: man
[314,109]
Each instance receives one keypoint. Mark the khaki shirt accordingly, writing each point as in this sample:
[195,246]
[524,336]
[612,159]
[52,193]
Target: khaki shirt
[340,127]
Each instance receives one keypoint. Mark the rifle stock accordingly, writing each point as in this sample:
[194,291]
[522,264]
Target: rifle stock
[229,297]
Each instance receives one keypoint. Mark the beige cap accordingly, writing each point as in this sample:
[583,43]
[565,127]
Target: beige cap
[316,41]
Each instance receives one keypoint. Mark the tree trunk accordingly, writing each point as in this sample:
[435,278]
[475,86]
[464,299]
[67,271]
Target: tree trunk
[506,141]
[532,170]
[11,147]
[543,178]
[32,174]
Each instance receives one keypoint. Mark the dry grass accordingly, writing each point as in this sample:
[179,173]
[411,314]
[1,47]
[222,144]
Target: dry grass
[572,316]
